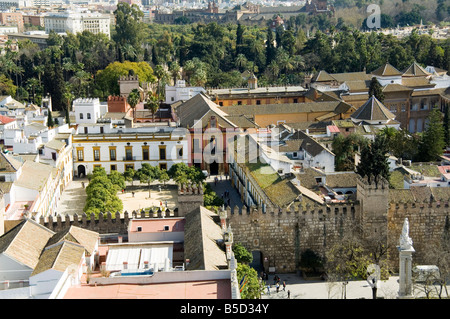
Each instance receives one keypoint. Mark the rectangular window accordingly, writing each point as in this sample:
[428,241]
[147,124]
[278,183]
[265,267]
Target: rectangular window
[163,166]
[145,153]
[80,154]
[162,152]
[113,168]
[97,154]
[112,154]
[258,102]
[128,153]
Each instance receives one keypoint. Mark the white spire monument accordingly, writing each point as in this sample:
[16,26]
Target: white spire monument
[405,256]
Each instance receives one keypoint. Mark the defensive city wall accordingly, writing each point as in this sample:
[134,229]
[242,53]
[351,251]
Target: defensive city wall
[279,236]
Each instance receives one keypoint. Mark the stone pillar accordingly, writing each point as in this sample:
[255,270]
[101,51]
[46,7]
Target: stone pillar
[223,219]
[405,256]
[228,239]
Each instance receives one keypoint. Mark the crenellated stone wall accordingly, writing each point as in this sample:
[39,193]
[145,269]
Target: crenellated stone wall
[108,223]
[281,235]
[428,222]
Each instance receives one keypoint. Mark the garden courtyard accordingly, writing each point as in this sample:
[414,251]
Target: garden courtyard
[139,198]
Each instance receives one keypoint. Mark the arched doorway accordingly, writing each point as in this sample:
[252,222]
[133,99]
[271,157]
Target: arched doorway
[257,262]
[214,168]
[81,171]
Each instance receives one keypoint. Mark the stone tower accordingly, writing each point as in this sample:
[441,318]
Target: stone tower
[190,197]
[374,205]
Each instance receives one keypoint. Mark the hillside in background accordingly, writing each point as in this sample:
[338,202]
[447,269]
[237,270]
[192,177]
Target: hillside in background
[353,12]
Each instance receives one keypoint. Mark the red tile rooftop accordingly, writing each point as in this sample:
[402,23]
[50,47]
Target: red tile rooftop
[208,289]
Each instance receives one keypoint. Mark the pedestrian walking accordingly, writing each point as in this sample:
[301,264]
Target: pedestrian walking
[278,287]
[289,294]
[268,290]
[132,194]
[284,285]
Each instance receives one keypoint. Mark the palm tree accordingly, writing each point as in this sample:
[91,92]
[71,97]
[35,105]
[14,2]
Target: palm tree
[161,74]
[175,71]
[79,81]
[129,52]
[133,99]
[32,83]
[241,61]
[152,104]
[39,69]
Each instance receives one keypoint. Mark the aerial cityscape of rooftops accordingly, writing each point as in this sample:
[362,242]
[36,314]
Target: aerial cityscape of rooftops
[224,150]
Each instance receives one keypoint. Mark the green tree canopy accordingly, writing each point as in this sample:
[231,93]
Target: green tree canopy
[374,160]
[375,89]
[107,79]
[102,193]
[129,28]
[241,254]
[253,287]
[432,141]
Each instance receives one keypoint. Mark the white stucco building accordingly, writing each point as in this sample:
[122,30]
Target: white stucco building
[118,147]
[77,22]
[181,92]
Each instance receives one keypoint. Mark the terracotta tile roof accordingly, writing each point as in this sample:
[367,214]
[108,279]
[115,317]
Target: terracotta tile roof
[323,76]
[196,108]
[25,242]
[34,175]
[87,238]
[59,257]
[415,70]
[5,119]
[8,163]
[394,87]
[373,110]
[386,70]
[415,82]
[201,238]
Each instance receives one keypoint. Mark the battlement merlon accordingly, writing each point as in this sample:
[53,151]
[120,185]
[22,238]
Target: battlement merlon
[190,189]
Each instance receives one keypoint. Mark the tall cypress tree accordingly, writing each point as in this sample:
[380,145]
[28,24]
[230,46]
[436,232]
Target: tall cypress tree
[239,38]
[375,89]
[447,125]
[57,92]
[270,48]
[374,160]
[432,142]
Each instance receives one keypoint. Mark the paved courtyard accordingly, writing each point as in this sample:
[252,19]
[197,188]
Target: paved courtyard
[223,184]
[73,198]
[141,199]
[312,289]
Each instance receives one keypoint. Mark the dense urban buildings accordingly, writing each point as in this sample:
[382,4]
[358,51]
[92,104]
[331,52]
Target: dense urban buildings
[192,150]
